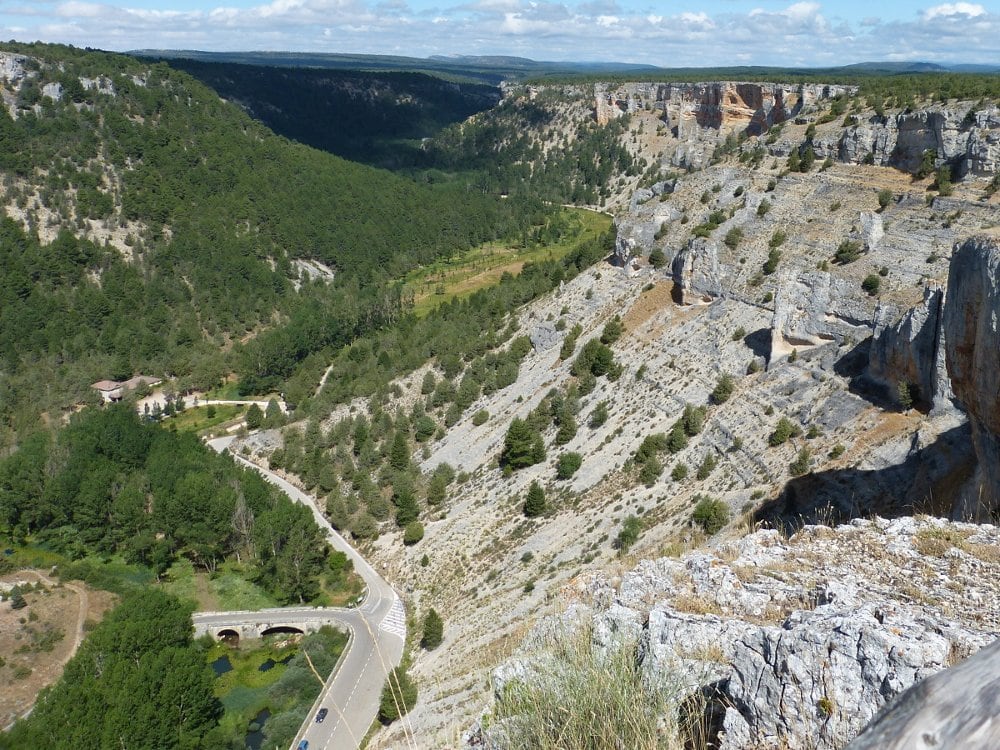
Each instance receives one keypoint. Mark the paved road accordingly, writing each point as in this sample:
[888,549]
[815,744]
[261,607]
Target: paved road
[377,629]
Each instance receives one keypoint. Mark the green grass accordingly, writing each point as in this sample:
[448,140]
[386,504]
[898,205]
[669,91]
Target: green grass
[228,589]
[196,419]
[234,591]
[463,275]
[228,392]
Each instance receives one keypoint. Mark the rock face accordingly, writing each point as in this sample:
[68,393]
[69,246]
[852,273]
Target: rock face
[813,307]
[799,642]
[911,350]
[973,356]
[697,272]
[959,707]
[969,144]
[753,107]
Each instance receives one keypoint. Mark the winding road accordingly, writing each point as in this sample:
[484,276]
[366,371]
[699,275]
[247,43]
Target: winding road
[377,630]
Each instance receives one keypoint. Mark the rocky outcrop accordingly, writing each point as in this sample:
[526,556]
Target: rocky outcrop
[973,358]
[813,307]
[698,275]
[959,707]
[799,642]
[967,141]
[911,350]
[720,105]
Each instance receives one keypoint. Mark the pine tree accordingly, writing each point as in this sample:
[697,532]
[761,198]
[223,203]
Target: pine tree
[399,454]
[433,630]
[255,417]
[534,502]
[17,599]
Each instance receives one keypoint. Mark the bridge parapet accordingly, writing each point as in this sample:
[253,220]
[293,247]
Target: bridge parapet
[249,625]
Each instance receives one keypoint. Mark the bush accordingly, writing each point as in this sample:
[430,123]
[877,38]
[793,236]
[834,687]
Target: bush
[848,251]
[711,514]
[871,284]
[784,430]
[771,264]
[398,696]
[650,471]
[599,415]
[568,465]
[800,465]
[884,198]
[706,467]
[628,535]
[679,472]
[733,238]
[656,258]
[613,330]
[413,533]
[765,206]
[723,389]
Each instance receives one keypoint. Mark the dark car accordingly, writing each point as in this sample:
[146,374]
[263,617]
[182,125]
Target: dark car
[322,714]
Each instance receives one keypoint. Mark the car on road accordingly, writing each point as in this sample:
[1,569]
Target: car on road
[322,714]
[304,745]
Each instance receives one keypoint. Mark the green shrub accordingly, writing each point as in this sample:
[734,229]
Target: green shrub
[679,472]
[413,533]
[800,465]
[871,284]
[398,696]
[568,464]
[884,198]
[628,535]
[650,471]
[711,514]
[481,417]
[784,430]
[848,251]
[733,238]
[706,467]
[599,415]
[656,258]
[723,389]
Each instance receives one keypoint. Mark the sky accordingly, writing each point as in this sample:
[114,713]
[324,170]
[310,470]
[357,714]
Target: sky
[674,33]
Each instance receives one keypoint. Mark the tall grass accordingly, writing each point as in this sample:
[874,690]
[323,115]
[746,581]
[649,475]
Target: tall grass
[588,700]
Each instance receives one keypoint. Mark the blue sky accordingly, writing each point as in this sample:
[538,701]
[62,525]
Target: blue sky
[677,33]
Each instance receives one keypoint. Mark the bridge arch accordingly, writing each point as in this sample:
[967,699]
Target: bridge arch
[229,635]
[282,630]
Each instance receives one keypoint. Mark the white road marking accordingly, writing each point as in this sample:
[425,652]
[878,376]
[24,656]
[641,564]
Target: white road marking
[395,620]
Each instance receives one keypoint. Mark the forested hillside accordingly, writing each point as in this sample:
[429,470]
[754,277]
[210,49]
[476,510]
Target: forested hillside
[371,117]
[108,484]
[154,225]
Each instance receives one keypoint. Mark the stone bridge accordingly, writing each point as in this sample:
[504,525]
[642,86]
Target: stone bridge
[248,624]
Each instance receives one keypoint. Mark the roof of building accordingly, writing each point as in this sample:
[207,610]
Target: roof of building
[106,385]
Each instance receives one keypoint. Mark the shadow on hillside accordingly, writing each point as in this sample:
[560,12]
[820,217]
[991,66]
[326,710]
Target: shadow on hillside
[759,342]
[926,482]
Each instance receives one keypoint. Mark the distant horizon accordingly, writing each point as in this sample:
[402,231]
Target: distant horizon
[709,33]
[945,65]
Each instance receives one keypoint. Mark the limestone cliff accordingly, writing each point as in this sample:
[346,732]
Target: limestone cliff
[973,357]
[968,141]
[911,350]
[719,105]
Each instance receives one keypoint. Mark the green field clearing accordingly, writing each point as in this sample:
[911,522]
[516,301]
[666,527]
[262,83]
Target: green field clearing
[462,275]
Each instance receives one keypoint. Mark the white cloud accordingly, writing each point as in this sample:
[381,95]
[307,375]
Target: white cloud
[795,33]
[954,9]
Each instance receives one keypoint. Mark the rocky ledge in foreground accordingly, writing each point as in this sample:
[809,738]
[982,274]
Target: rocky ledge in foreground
[798,642]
